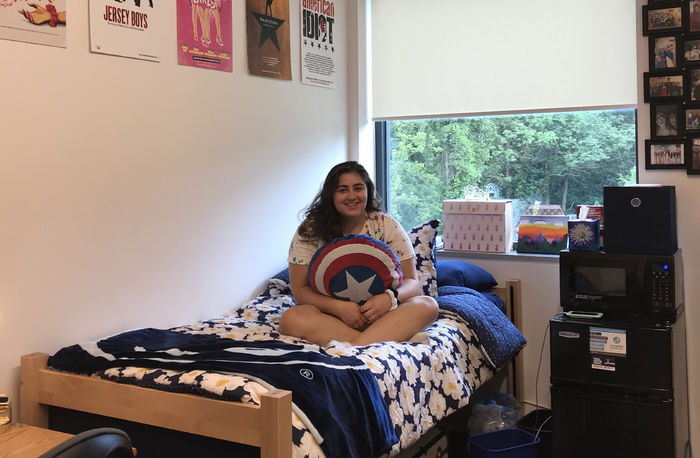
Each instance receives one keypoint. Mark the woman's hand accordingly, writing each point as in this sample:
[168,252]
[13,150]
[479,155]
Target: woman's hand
[349,312]
[376,307]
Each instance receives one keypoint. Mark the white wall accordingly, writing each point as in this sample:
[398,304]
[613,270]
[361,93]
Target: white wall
[149,194]
[687,192]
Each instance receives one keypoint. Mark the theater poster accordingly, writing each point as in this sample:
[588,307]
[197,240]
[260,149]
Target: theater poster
[34,21]
[318,43]
[129,28]
[205,34]
[268,38]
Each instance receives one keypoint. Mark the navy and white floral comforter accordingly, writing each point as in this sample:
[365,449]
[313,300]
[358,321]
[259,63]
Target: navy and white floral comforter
[421,384]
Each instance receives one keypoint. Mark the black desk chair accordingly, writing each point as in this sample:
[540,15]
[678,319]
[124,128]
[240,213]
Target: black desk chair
[95,443]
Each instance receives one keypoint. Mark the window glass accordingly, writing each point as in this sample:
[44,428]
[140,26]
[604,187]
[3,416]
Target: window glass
[553,158]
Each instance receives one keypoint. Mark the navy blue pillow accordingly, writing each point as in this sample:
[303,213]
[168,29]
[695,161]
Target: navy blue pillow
[462,273]
[283,275]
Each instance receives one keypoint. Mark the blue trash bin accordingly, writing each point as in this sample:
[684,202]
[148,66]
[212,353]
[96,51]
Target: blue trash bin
[503,443]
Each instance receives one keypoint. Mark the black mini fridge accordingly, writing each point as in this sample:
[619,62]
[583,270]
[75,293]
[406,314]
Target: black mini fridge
[619,389]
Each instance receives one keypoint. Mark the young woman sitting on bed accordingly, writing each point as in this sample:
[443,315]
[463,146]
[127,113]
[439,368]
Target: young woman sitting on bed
[348,204]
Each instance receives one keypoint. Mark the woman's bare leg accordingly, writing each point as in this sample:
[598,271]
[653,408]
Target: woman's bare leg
[217,22]
[207,24]
[194,21]
[309,323]
[204,22]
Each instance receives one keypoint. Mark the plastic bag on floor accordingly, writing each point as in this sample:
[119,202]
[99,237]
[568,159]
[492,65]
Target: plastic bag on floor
[499,411]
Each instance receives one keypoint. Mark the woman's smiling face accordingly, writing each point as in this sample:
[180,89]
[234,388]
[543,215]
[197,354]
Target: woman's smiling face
[350,197]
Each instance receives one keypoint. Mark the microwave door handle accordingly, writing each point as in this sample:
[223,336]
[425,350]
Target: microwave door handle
[575,314]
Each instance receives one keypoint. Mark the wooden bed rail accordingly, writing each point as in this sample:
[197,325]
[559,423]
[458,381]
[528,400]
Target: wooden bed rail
[268,426]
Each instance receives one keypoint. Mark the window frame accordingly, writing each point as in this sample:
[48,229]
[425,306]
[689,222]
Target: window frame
[381,162]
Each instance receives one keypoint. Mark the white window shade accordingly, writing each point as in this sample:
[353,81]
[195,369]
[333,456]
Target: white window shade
[454,57]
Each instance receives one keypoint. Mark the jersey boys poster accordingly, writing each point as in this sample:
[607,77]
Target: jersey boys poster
[130,28]
[38,21]
[205,34]
[318,45]
[268,38]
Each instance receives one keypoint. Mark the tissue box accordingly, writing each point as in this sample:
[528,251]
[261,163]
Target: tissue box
[584,235]
[543,230]
[477,225]
[594,212]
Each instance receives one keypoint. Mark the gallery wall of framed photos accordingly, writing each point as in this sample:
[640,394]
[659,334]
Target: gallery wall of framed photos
[672,84]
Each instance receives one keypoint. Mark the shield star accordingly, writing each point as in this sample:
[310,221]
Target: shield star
[356,289]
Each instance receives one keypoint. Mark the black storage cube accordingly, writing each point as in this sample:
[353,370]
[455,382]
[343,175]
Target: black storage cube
[640,219]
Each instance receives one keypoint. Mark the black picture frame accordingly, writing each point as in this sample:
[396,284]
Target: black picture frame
[691,119]
[662,19]
[664,52]
[689,53]
[692,13]
[664,154]
[667,121]
[670,85]
[692,158]
[693,78]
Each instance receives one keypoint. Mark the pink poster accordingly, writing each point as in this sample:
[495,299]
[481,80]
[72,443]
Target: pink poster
[205,34]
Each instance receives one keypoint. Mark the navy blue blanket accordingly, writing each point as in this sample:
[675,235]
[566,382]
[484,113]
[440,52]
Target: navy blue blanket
[338,394]
[496,333]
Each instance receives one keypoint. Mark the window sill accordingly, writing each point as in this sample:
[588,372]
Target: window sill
[510,255]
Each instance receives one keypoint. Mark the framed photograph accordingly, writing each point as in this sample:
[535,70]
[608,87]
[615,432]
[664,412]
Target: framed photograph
[693,13]
[666,120]
[690,50]
[664,87]
[665,154]
[694,84]
[691,119]
[663,52]
[660,19]
[692,162]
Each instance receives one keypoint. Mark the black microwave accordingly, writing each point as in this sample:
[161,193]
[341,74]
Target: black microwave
[647,287]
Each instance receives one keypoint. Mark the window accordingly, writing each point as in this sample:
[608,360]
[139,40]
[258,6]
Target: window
[554,158]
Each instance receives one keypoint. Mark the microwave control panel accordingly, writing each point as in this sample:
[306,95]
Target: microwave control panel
[662,287]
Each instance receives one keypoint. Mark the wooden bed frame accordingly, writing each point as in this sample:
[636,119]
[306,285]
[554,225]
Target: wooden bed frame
[268,426]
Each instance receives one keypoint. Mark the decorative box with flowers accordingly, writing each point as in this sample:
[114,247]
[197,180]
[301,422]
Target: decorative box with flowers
[584,235]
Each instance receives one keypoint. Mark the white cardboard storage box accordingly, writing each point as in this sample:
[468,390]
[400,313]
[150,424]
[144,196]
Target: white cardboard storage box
[477,225]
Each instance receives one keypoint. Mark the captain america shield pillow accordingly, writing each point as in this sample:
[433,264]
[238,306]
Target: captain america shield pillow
[354,268]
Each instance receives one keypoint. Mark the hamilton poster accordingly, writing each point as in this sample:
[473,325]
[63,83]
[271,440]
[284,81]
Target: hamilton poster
[39,21]
[268,38]
[318,44]
[129,28]
[205,34]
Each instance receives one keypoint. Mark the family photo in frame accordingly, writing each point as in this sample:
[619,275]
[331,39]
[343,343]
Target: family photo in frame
[663,52]
[693,160]
[662,19]
[664,87]
[667,120]
[665,155]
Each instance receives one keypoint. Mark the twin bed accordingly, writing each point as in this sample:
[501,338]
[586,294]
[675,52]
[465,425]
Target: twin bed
[235,378]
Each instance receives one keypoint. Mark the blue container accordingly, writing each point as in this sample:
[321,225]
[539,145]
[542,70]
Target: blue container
[503,443]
